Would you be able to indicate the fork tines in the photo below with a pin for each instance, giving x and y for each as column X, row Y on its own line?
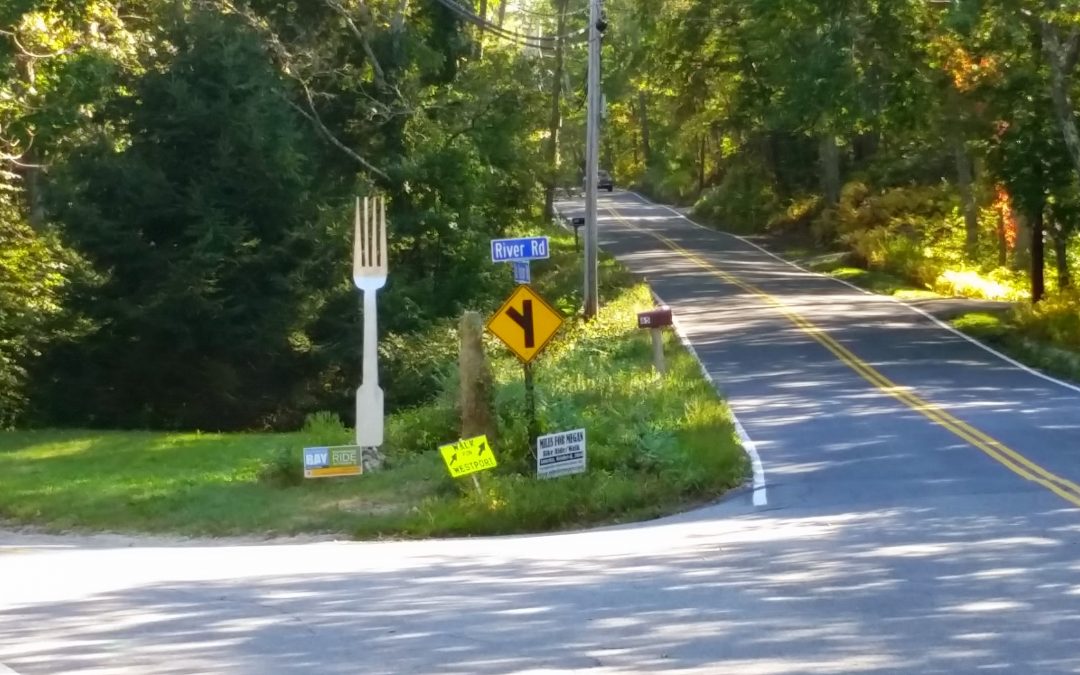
column 371, row 251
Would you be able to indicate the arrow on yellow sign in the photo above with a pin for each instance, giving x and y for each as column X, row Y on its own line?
column 525, row 322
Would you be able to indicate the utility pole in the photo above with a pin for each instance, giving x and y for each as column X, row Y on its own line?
column 592, row 151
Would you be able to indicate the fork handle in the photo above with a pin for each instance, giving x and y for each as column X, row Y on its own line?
column 371, row 336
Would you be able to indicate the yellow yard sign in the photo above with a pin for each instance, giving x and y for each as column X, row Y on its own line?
column 468, row 456
column 525, row 322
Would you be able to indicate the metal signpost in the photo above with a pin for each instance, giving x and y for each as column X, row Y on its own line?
column 526, row 323
column 655, row 320
column 560, row 454
column 332, row 461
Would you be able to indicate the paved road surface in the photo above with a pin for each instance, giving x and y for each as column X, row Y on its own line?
column 921, row 518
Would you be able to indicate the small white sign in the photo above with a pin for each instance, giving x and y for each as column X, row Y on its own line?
column 560, row 454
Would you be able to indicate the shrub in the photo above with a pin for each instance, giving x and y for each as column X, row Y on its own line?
column 912, row 232
column 744, row 201
column 283, row 468
column 1056, row 319
column 798, row 216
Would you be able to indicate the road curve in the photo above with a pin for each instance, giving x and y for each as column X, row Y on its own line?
column 896, row 538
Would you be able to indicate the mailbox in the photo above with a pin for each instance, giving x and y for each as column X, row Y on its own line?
column 578, row 222
column 655, row 318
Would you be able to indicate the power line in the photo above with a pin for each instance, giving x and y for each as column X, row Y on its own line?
column 543, row 42
column 477, row 20
column 578, row 12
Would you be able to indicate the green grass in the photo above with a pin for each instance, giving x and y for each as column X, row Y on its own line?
column 655, row 446
column 1010, row 334
column 876, row 281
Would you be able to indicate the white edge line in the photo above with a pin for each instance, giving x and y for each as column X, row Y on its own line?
column 760, row 492
column 4, row 670
column 1007, row 359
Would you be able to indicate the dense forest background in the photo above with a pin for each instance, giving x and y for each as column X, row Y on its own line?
column 176, row 195
column 934, row 138
column 177, row 176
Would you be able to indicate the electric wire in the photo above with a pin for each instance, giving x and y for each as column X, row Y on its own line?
column 543, row 42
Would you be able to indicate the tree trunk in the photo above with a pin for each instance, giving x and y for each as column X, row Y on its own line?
column 829, row 156
column 1038, row 282
column 1059, row 57
column 643, row 119
column 35, row 201
column 701, row 166
column 1003, row 244
column 31, row 169
column 476, row 401
column 502, row 12
column 1061, row 253
column 551, row 151
column 480, row 34
column 965, row 180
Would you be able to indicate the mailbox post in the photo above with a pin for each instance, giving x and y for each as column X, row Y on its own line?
column 577, row 222
column 656, row 320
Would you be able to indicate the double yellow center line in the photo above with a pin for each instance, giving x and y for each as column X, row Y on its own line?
column 1010, row 458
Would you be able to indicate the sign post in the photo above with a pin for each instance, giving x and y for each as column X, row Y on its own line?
column 526, row 323
column 656, row 320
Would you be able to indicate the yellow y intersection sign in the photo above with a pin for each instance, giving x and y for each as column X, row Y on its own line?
column 525, row 322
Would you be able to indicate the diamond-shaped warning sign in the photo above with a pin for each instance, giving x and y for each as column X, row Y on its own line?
column 525, row 322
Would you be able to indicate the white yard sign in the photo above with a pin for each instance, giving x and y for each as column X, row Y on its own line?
column 560, row 454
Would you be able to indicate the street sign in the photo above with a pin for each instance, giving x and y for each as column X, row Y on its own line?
column 525, row 322
column 522, row 273
column 560, row 454
column 330, row 461
column 468, row 456
column 527, row 248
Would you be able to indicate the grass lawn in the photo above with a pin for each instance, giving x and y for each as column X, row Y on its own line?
column 655, row 446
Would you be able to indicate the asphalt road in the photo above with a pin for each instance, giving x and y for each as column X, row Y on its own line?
column 921, row 517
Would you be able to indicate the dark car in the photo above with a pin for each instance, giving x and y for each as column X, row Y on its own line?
column 604, row 181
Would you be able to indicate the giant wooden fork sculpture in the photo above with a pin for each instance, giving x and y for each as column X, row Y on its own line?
column 369, row 274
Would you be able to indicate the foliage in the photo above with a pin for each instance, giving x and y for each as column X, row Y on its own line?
column 1055, row 320
column 35, row 273
column 202, row 159
column 745, row 200
column 1045, row 336
column 797, row 217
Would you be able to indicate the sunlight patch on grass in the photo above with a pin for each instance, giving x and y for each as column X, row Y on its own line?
column 971, row 284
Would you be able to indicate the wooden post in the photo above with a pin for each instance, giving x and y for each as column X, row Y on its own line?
column 530, row 408
column 658, row 350
column 476, row 394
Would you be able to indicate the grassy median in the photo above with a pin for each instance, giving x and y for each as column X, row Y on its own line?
column 655, row 446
